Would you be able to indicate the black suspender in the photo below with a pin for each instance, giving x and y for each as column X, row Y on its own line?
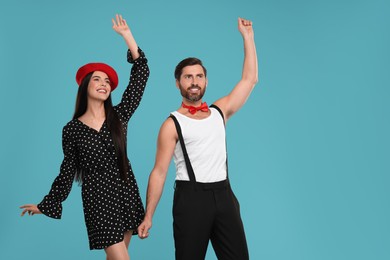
column 224, row 124
column 190, row 171
column 220, row 111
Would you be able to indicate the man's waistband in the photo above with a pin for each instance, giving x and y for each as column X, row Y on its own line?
column 201, row 185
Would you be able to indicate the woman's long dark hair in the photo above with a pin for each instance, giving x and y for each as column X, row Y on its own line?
column 113, row 124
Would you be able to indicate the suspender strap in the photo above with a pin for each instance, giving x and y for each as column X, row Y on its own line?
column 223, row 118
column 190, row 171
column 220, row 111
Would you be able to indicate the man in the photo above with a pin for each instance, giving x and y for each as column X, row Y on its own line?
column 204, row 206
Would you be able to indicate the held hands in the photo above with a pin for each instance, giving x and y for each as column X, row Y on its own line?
column 143, row 229
column 245, row 27
column 31, row 209
column 120, row 26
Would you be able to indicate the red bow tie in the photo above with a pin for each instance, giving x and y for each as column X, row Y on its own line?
column 192, row 109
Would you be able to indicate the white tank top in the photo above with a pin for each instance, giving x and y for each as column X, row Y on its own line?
column 206, row 147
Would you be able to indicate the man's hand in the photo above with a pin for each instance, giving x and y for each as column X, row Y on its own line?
column 245, row 27
column 143, row 229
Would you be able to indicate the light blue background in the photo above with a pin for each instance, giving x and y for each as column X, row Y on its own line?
column 309, row 152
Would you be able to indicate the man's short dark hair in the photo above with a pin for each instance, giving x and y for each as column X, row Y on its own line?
column 188, row 62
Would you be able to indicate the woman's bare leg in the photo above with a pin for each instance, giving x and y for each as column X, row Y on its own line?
column 127, row 237
column 117, row 251
column 126, row 241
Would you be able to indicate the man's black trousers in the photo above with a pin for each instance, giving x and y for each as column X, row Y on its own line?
column 203, row 212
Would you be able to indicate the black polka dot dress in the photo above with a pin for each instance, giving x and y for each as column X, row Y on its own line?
column 111, row 205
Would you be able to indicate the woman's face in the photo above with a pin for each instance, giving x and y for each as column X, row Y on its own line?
column 99, row 86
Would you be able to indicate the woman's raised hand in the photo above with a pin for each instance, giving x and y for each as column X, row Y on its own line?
column 119, row 25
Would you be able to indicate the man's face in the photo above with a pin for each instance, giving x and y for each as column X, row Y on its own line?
column 192, row 83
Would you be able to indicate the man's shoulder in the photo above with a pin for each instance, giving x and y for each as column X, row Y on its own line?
column 168, row 129
column 168, row 123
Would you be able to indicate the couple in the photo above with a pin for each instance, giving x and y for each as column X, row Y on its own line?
column 94, row 146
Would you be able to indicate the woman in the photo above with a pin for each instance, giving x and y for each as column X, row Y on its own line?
column 94, row 144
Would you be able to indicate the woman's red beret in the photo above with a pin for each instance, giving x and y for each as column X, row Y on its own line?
column 91, row 67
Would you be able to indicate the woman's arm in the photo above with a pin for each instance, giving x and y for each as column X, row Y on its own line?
column 51, row 205
column 132, row 96
column 120, row 26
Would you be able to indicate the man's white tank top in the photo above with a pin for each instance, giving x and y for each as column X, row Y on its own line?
column 206, row 148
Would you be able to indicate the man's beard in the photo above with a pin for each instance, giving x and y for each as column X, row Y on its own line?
column 186, row 93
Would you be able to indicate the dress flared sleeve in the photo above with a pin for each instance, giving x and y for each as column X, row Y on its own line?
column 132, row 96
column 51, row 205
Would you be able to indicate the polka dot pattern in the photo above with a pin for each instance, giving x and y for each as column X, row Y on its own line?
column 111, row 205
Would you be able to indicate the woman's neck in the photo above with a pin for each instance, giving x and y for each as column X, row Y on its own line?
column 95, row 110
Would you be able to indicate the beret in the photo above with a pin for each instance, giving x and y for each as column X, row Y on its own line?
column 97, row 66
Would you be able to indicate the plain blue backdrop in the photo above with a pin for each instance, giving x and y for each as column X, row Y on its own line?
column 309, row 152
